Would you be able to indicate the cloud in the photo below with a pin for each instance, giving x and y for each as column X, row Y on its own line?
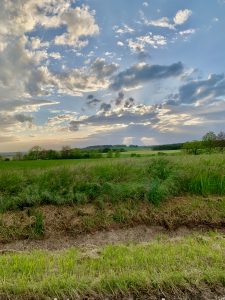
column 87, row 79
column 128, row 140
column 182, row 16
column 55, row 55
column 74, row 126
column 37, row 43
column 119, row 99
column 119, row 43
column 79, row 22
column 11, row 123
column 129, row 103
column 123, row 30
column 102, row 69
column 18, row 17
column 202, row 91
column 139, row 44
column 24, row 60
column 21, row 73
column 24, row 105
column 6, row 139
column 105, row 107
column 148, row 141
column 143, row 72
column 92, row 101
column 187, row 32
column 162, row 22
column 145, row 4
column 107, row 116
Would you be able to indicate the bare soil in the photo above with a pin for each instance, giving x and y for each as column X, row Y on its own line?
column 91, row 241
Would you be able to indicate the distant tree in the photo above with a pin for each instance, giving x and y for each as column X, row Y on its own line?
column 117, row 153
column 221, row 136
column 66, row 152
column 209, row 136
column 220, row 141
column 110, row 154
column 50, row 154
column 34, row 153
column 18, row 156
column 209, row 140
column 193, row 147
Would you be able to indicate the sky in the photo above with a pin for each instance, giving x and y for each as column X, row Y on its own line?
column 94, row 72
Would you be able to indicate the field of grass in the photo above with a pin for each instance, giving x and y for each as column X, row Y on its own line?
column 32, row 183
column 164, row 266
column 149, row 152
column 42, row 199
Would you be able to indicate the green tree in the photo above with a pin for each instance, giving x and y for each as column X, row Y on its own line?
column 221, row 136
column 34, row 153
column 193, row 147
column 117, row 153
column 66, row 152
column 110, row 154
column 209, row 136
column 209, row 140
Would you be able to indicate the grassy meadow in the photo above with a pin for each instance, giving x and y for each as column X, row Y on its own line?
column 75, row 197
column 155, row 179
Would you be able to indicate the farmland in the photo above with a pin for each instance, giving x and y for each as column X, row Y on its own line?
column 147, row 227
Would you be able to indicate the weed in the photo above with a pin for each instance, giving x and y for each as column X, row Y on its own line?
column 37, row 226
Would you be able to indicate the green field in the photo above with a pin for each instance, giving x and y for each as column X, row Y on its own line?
column 149, row 152
column 30, row 183
column 166, row 266
column 42, row 200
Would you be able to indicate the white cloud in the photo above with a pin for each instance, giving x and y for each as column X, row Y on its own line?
column 87, row 79
column 119, row 43
column 148, row 141
column 128, row 140
column 141, row 42
column 55, row 55
column 162, row 22
column 36, row 43
column 187, row 32
column 24, row 61
column 20, row 16
column 80, row 22
column 123, row 30
column 182, row 16
column 145, row 4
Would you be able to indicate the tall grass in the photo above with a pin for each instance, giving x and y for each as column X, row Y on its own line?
column 139, row 179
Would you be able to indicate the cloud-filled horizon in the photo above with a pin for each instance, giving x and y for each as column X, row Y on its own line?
column 81, row 72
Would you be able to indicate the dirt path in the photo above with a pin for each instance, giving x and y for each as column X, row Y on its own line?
column 138, row 234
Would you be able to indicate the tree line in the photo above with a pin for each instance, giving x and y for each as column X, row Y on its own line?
column 39, row 153
column 210, row 142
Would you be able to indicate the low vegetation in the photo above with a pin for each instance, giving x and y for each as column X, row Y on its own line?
column 41, row 199
column 163, row 267
column 139, row 179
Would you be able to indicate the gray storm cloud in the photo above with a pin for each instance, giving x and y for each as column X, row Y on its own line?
column 141, row 73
